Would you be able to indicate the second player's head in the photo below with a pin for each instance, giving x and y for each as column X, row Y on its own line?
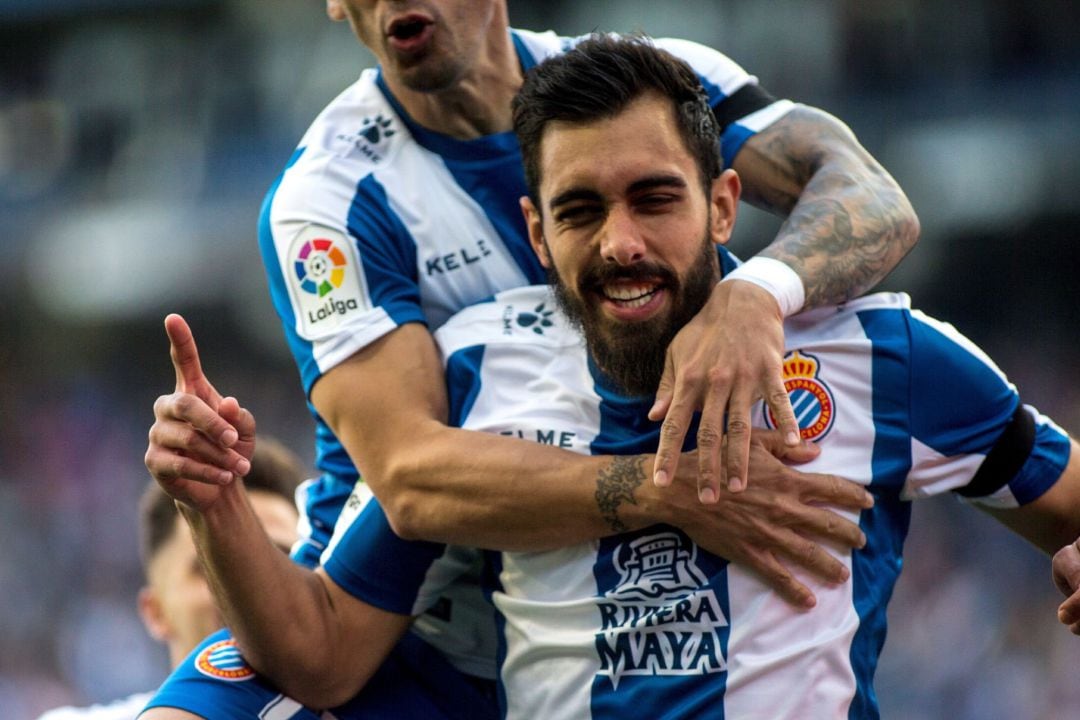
column 627, row 198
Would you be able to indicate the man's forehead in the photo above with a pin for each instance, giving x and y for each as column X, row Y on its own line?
column 611, row 154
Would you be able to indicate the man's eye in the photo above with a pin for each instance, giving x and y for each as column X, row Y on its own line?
column 577, row 214
column 655, row 201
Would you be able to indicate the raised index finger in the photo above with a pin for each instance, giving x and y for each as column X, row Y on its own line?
column 184, row 353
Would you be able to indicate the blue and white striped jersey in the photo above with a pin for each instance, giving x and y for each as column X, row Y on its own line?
column 646, row 620
column 376, row 221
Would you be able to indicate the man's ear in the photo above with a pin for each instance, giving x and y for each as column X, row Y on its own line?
column 335, row 10
column 724, row 198
column 535, row 226
column 153, row 615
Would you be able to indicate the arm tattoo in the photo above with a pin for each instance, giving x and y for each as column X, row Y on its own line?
column 848, row 222
column 615, row 485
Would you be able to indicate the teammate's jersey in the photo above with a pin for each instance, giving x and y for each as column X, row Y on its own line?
column 415, row 681
column 125, row 709
column 376, row 221
column 647, row 622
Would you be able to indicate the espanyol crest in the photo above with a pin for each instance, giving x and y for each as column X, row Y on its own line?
column 810, row 398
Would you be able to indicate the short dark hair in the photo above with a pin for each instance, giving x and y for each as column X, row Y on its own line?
column 597, row 79
column 275, row 469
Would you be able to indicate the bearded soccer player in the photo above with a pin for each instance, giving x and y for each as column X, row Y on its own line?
column 626, row 202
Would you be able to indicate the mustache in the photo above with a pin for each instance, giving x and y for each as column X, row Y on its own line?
column 599, row 275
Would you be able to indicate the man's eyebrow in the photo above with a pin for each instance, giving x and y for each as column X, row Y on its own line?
column 573, row 195
column 656, row 181
column 645, row 183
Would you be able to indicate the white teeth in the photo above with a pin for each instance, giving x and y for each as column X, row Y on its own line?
column 629, row 295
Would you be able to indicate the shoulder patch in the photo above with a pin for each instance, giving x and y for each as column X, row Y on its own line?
column 222, row 661
column 325, row 280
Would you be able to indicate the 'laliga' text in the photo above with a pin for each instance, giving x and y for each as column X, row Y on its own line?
column 331, row 308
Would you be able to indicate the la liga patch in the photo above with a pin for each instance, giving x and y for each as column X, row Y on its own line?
column 325, row 281
column 222, row 660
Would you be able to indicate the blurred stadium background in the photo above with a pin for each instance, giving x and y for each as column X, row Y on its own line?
column 137, row 138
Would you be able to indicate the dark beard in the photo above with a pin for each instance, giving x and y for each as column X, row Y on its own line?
column 632, row 354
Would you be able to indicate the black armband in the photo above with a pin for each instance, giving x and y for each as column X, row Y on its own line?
column 747, row 99
column 1005, row 459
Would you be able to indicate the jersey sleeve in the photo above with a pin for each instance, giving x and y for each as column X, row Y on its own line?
column 970, row 433
column 742, row 107
column 370, row 562
column 340, row 266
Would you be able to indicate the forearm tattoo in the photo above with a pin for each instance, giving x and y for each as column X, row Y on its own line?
column 615, row 485
column 848, row 222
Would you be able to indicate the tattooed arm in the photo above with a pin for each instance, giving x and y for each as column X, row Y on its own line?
column 848, row 224
column 772, row 520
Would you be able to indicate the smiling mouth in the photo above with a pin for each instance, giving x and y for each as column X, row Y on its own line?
column 633, row 295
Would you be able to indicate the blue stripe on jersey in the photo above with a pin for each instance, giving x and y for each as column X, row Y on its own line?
column 959, row 404
column 1044, row 466
column 647, row 648
column 489, row 170
column 876, row 567
column 392, row 568
column 463, row 382
column 626, row 430
column 733, row 137
column 731, row 142
column 525, row 58
column 728, row 262
column 389, row 267
column 497, row 187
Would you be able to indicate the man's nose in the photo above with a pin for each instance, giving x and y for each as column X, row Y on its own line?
column 620, row 238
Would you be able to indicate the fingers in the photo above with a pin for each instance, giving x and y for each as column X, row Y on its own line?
column 827, row 526
column 672, row 437
column 738, row 438
column 710, row 445
column 167, row 466
column 664, row 391
column 178, row 451
column 188, row 408
column 778, row 400
column 774, row 444
column 184, row 353
column 814, row 558
column 835, row 491
column 239, row 418
column 780, row 579
column 182, row 438
column 1066, row 572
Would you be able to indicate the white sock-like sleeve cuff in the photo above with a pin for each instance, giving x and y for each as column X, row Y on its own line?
column 777, row 278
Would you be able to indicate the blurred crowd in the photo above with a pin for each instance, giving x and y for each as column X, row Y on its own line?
column 136, row 141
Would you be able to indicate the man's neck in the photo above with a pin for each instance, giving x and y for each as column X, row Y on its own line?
column 479, row 104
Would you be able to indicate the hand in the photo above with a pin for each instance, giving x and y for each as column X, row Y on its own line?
column 778, row 517
column 199, row 440
column 723, row 360
column 1066, row 567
